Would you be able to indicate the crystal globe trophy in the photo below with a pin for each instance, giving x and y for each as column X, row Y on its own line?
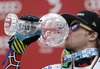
column 54, row 29
column 12, row 25
column 53, row 26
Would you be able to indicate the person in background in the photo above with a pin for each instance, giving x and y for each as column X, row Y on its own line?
column 82, row 46
column 18, row 44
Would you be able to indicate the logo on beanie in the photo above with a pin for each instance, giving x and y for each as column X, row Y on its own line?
column 80, row 14
column 94, row 24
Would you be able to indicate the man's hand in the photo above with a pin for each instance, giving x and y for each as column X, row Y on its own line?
column 19, row 42
column 64, row 53
column 35, row 36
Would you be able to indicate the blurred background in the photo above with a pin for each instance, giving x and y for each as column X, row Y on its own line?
column 37, row 55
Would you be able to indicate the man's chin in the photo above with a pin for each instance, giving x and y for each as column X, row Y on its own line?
column 67, row 47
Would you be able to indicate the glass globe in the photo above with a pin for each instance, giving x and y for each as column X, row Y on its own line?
column 54, row 29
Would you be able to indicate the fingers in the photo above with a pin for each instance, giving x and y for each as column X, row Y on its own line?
column 29, row 18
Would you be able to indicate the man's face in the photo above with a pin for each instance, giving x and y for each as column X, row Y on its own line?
column 78, row 36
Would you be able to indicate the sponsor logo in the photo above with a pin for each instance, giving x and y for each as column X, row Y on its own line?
column 57, row 6
column 80, row 14
column 92, row 5
column 9, row 7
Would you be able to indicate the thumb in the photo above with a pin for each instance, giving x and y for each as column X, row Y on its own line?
column 62, row 57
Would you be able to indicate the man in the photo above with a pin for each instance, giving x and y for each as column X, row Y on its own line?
column 82, row 46
column 18, row 44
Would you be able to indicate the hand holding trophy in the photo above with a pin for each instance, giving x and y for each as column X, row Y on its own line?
column 54, row 28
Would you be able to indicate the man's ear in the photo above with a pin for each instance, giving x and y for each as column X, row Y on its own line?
column 93, row 36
